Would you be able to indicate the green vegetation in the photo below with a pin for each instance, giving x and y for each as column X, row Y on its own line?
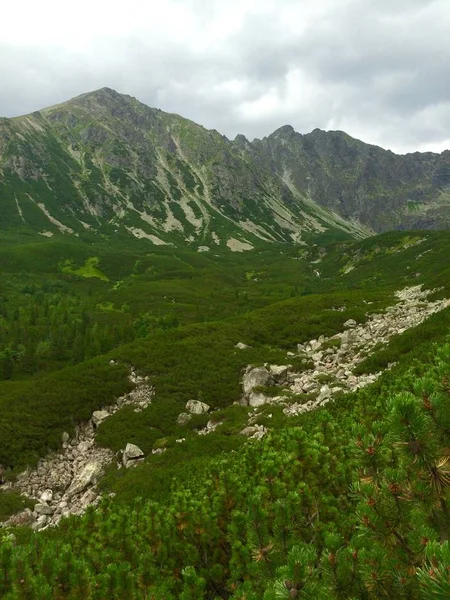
column 346, row 502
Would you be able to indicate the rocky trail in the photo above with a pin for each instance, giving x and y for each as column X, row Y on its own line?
column 64, row 482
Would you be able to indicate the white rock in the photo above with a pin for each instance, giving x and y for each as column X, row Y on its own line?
column 257, row 399
column 255, row 376
column 196, row 407
column 279, row 372
column 350, row 324
column 88, row 475
column 241, row 346
column 98, row 416
column 131, row 454
column 46, row 496
column 43, row 509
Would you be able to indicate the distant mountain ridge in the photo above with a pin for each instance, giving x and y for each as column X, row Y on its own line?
column 105, row 162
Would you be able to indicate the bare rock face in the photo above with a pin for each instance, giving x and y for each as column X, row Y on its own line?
column 195, row 407
column 131, row 455
column 89, row 475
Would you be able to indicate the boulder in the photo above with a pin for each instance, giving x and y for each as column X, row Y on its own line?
column 65, row 437
column 88, row 475
column 255, row 376
column 254, row 432
column 44, row 509
column 241, row 346
column 46, row 496
column 279, row 372
column 183, row 419
column 196, row 407
column 350, row 324
column 40, row 523
column 98, row 416
column 131, row 454
column 257, row 399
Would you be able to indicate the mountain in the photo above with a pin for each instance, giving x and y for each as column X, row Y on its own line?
column 362, row 183
column 106, row 162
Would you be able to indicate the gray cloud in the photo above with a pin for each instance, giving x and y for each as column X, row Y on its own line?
column 375, row 69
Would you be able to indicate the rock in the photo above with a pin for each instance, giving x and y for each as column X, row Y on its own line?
column 196, row 407
column 309, row 387
column 83, row 447
column 350, row 324
column 255, row 376
column 241, row 346
column 88, row 475
column 65, row 437
column 279, row 372
column 46, row 496
column 254, row 431
column 131, row 454
column 257, row 399
column 40, row 523
column 43, row 509
column 98, row 416
column 183, row 419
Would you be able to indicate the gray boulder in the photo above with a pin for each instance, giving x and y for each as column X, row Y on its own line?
column 131, row 455
column 255, row 376
column 195, row 407
column 98, row 416
column 279, row 372
column 350, row 324
column 88, row 475
column 43, row 509
column 183, row 419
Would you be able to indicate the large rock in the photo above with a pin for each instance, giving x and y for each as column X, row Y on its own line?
column 350, row 324
column 279, row 372
column 241, row 346
column 257, row 399
column 254, row 432
column 196, row 407
column 87, row 476
column 183, row 419
column 98, row 416
column 131, row 454
column 43, row 509
column 255, row 376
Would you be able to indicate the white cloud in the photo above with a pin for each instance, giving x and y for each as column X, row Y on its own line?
column 375, row 69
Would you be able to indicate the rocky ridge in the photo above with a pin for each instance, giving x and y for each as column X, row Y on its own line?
column 64, row 483
column 335, row 358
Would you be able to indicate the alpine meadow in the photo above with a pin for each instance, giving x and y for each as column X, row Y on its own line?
column 224, row 364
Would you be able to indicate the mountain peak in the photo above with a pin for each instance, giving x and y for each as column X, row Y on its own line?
column 284, row 130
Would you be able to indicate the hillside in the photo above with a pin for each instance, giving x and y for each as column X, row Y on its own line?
column 275, row 427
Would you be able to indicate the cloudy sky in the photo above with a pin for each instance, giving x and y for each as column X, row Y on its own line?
column 378, row 69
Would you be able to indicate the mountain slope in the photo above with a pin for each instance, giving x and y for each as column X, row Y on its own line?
column 104, row 160
column 361, row 182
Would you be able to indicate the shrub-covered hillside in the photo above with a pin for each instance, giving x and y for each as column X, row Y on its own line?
column 347, row 501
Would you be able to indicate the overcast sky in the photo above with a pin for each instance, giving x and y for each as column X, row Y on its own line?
column 377, row 69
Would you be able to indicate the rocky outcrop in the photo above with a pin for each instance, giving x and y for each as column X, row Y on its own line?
column 64, row 482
